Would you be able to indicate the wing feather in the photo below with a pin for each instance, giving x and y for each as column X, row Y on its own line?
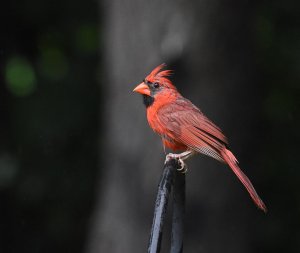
column 186, row 124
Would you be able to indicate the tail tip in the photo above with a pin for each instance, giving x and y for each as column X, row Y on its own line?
column 262, row 207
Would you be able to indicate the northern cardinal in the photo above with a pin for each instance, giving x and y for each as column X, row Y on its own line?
column 182, row 126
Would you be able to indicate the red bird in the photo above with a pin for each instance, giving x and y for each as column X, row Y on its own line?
column 182, row 126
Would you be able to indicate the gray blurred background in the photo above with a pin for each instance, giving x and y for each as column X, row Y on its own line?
column 79, row 166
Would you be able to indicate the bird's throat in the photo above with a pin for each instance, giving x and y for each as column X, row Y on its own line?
column 148, row 101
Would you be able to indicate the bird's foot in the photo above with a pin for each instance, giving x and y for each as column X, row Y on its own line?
column 183, row 156
column 183, row 167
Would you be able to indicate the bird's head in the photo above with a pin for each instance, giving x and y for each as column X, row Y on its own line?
column 155, row 84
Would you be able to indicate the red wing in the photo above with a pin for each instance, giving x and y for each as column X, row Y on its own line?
column 186, row 124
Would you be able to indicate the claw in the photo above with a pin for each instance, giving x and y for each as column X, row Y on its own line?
column 183, row 167
column 170, row 156
column 167, row 159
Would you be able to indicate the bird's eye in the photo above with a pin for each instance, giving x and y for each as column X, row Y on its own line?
column 156, row 85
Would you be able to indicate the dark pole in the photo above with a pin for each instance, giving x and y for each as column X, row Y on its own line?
column 178, row 213
column 161, row 203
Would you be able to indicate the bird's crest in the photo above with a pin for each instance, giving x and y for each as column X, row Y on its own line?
column 159, row 76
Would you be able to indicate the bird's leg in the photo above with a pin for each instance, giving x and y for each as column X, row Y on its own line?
column 180, row 157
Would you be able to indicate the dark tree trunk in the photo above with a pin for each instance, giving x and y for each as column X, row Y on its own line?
column 208, row 45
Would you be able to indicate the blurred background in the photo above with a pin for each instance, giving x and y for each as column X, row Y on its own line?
column 79, row 166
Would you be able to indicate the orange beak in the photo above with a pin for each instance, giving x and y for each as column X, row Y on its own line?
column 142, row 88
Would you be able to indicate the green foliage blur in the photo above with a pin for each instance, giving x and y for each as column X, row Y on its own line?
column 49, row 106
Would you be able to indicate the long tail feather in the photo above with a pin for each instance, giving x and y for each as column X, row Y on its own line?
column 232, row 162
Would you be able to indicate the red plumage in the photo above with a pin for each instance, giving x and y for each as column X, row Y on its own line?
column 182, row 126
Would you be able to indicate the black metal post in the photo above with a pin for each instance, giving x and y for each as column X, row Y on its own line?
column 161, row 203
column 164, row 189
column 178, row 213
